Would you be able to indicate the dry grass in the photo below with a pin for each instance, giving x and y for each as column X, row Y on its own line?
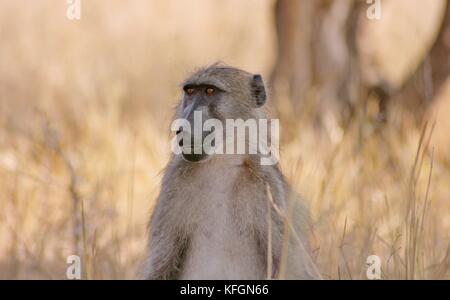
column 84, row 110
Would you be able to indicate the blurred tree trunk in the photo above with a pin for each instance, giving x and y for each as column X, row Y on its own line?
column 421, row 89
column 293, row 72
column 440, row 55
column 319, row 68
column 314, row 59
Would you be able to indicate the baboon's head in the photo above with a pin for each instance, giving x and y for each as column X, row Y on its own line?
column 216, row 93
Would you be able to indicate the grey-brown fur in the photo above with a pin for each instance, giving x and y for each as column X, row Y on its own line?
column 211, row 217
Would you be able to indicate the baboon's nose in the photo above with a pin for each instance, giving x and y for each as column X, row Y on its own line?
column 180, row 142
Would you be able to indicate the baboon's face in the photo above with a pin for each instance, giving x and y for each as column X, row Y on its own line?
column 220, row 97
column 199, row 100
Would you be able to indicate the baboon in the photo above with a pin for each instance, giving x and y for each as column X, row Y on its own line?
column 211, row 220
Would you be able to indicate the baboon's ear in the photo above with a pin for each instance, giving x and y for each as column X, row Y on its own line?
column 258, row 90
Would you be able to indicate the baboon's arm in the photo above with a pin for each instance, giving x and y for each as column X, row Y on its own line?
column 289, row 258
column 271, row 243
column 167, row 247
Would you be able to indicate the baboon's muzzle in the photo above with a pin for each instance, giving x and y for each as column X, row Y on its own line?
column 193, row 151
column 191, row 142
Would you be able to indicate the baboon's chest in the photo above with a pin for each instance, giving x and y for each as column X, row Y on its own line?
column 223, row 245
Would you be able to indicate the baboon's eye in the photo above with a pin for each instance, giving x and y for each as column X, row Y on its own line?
column 210, row 91
column 189, row 91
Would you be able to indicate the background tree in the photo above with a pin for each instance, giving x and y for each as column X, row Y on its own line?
column 332, row 58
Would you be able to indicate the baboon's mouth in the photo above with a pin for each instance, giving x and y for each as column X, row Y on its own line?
column 195, row 157
column 194, row 153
